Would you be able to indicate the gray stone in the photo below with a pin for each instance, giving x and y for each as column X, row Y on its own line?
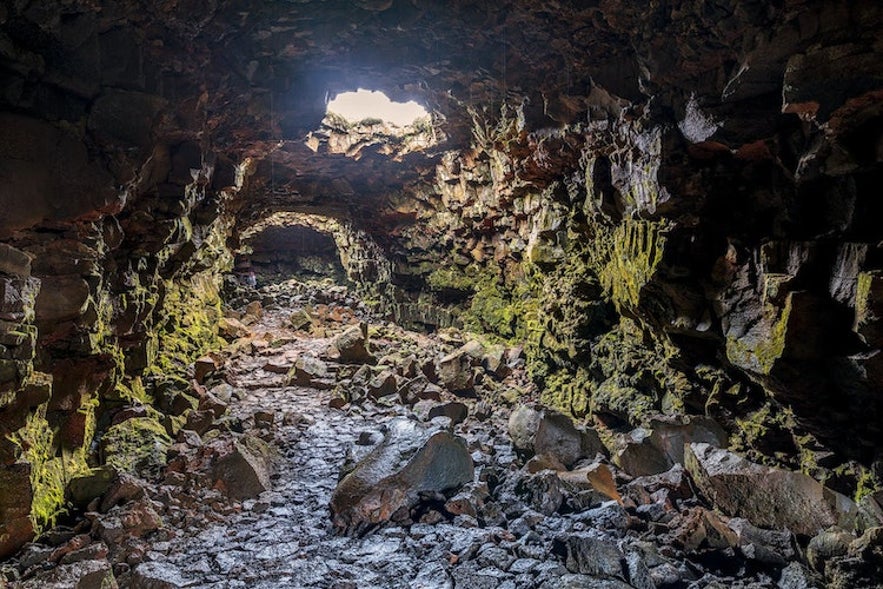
column 455, row 372
column 412, row 459
column 87, row 574
column 307, row 371
column 245, row 470
column 589, row 555
column 768, row 497
column 351, row 346
column 656, row 449
column 548, row 433
column 775, row 547
column 455, row 411
column 158, row 575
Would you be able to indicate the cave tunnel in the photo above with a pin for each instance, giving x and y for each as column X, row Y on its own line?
column 586, row 297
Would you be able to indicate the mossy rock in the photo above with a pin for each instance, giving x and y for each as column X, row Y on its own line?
column 136, row 446
column 615, row 397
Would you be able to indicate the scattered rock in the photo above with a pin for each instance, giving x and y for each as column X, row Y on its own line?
column 589, row 555
column 154, row 575
column 203, row 367
column 455, row 372
column 351, row 346
column 300, row 319
column 307, row 371
column 244, row 471
column 455, row 411
column 233, row 328
column 546, row 432
column 652, row 451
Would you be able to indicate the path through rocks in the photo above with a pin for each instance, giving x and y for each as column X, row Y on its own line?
column 284, row 538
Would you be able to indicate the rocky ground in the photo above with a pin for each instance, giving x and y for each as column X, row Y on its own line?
column 440, row 472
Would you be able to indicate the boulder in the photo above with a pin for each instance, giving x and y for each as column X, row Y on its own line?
column 590, row 555
column 383, row 384
column 775, row 547
column 455, row 411
column 494, row 362
column 351, row 346
column 300, row 319
column 767, row 497
column 243, row 471
column 455, row 372
column 654, row 450
column 158, row 575
column 412, row 459
column 232, row 328
column 307, row 371
column 85, row 574
column 202, row 367
column 546, row 432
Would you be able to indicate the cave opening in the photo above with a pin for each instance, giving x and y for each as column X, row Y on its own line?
column 367, row 106
column 291, row 246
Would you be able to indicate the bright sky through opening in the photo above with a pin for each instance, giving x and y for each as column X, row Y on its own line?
column 365, row 104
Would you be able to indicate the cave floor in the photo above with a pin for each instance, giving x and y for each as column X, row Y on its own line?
column 285, row 538
column 516, row 526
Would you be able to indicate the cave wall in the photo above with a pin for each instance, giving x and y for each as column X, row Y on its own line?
column 672, row 206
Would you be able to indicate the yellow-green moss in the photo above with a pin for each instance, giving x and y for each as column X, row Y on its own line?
column 760, row 354
column 137, row 445
column 191, row 311
column 51, row 467
column 626, row 257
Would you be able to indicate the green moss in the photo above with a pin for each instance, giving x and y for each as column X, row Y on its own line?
column 51, row 467
column 867, row 484
column 625, row 258
column 137, row 445
column 760, row 353
column 191, row 311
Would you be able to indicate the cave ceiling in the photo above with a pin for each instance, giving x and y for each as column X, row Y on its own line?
column 251, row 79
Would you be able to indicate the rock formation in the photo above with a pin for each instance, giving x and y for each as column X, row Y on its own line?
column 666, row 213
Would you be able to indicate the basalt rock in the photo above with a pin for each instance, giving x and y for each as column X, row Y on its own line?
column 547, row 433
column 412, row 459
column 767, row 497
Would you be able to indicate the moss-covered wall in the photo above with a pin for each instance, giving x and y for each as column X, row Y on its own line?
column 105, row 310
column 566, row 241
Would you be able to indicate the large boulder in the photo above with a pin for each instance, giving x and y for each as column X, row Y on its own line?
column 307, row 371
column 654, row 450
column 351, row 346
column 767, row 497
column 243, row 467
column 455, row 371
column 547, row 433
column 412, row 459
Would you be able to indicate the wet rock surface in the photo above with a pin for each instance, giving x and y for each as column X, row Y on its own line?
column 260, row 496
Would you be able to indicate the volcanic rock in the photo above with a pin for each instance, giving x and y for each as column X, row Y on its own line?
column 412, row 459
column 765, row 496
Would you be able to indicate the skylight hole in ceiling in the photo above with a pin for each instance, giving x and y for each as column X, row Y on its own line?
column 363, row 105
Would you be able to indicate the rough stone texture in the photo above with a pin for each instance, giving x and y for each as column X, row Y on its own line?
column 768, row 497
column 672, row 208
column 244, row 470
column 550, row 434
column 411, row 459
column 351, row 346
